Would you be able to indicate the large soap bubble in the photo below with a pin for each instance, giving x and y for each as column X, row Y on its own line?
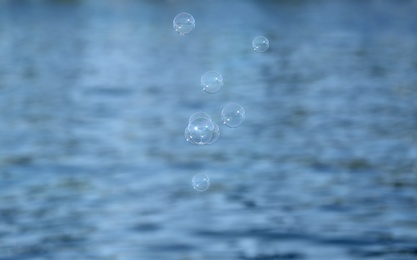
column 184, row 23
column 233, row 115
column 216, row 134
column 212, row 82
column 197, row 115
column 201, row 129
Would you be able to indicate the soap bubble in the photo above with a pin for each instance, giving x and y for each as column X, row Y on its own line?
column 233, row 115
column 260, row 44
column 188, row 136
column 201, row 182
column 201, row 124
column 199, row 115
column 216, row 134
column 201, row 129
column 212, row 82
column 184, row 23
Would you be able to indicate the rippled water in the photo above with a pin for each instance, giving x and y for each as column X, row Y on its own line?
column 95, row 96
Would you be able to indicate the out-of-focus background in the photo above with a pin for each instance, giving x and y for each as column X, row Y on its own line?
column 95, row 96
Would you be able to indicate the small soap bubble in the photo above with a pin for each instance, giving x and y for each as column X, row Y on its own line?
column 260, row 44
column 201, row 182
column 184, row 23
column 233, row 115
column 212, row 82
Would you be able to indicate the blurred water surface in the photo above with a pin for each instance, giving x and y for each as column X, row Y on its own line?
column 95, row 96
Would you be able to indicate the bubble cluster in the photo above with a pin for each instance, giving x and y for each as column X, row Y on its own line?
column 211, row 82
column 233, row 115
column 184, row 23
column 201, row 182
column 260, row 44
column 201, row 129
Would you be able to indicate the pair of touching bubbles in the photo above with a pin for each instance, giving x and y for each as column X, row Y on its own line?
column 201, row 129
column 184, row 23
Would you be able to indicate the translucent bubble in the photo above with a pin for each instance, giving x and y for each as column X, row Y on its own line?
column 212, row 82
column 201, row 182
column 200, row 131
column 260, row 44
column 199, row 115
column 201, row 124
column 233, row 115
column 188, row 136
column 216, row 134
column 184, row 23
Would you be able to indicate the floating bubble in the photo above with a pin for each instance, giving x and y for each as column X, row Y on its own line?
column 212, row 82
column 233, row 115
column 216, row 134
column 184, row 23
column 201, row 182
column 200, row 131
column 199, row 115
column 260, row 44
column 188, row 136
column 201, row 124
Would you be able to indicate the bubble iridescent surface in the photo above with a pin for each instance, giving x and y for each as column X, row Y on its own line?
column 183, row 23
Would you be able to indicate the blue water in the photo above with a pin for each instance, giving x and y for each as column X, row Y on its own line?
column 95, row 96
